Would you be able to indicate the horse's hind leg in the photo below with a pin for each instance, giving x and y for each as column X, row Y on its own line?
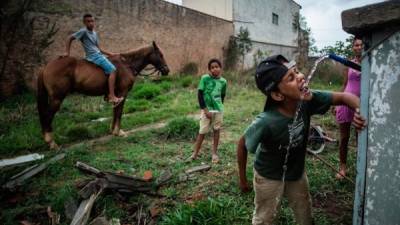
column 55, row 104
column 116, row 123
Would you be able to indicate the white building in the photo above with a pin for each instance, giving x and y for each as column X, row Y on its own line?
column 271, row 23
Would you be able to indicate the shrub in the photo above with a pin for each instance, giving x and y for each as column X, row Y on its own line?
column 165, row 85
column 190, row 68
column 147, row 91
column 186, row 81
column 182, row 128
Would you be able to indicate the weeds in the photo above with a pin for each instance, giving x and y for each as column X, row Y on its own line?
column 182, row 128
column 137, row 105
column 187, row 81
column 208, row 212
column 147, row 91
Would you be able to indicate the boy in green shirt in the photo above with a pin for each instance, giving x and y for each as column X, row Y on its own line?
column 278, row 136
column 211, row 95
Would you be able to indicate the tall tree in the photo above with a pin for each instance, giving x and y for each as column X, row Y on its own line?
column 340, row 48
column 244, row 43
column 302, row 23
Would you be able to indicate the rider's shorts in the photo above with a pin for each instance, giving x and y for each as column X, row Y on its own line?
column 100, row 60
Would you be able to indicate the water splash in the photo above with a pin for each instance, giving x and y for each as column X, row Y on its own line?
column 304, row 91
column 314, row 68
column 298, row 108
column 291, row 135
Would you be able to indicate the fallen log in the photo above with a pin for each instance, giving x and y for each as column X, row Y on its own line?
column 164, row 177
column 20, row 160
column 88, row 169
column 112, row 181
column 20, row 178
column 198, row 169
column 93, row 187
column 82, row 215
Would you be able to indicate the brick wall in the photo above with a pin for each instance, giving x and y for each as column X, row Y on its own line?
column 183, row 34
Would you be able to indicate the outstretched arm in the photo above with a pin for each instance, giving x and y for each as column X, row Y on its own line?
column 343, row 98
column 242, row 162
column 110, row 54
column 68, row 45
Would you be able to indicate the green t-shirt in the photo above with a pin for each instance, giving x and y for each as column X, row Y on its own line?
column 268, row 138
column 213, row 89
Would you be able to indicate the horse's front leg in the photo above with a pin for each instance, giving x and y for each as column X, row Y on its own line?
column 116, row 124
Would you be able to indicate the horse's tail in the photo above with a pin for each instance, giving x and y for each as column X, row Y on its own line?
column 42, row 100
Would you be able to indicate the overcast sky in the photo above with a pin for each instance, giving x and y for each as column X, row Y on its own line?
column 324, row 18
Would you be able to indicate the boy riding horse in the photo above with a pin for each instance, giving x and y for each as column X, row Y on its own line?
column 90, row 43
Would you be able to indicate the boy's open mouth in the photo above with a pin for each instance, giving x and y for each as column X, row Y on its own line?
column 304, row 89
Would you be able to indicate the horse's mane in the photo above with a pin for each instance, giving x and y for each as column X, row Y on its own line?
column 139, row 52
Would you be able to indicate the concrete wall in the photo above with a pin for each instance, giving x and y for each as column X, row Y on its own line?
column 256, row 16
column 268, row 50
column 218, row 8
column 382, row 181
column 183, row 34
column 377, row 193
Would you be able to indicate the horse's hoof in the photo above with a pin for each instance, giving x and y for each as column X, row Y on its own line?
column 120, row 133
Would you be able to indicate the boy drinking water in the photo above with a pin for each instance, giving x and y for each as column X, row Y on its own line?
column 93, row 51
column 278, row 136
column 211, row 95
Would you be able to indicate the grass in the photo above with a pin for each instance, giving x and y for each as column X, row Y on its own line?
column 182, row 128
column 212, row 197
column 210, row 211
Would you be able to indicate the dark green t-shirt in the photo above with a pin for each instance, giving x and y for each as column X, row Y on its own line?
column 268, row 138
column 213, row 89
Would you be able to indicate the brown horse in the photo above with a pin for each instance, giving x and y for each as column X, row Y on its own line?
column 68, row 74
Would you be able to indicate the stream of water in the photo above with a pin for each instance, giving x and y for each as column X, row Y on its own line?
column 295, row 118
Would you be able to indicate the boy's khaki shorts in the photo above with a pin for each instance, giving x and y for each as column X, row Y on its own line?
column 215, row 122
column 268, row 194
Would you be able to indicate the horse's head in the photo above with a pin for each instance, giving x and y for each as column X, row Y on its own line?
column 156, row 58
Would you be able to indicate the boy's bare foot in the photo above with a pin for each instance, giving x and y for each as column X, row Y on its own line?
column 341, row 174
column 214, row 158
column 115, row 100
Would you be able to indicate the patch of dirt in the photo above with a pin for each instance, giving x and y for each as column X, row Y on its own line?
column 198, row 196
column 227, row 136
column 334, row 206
column 106, row 138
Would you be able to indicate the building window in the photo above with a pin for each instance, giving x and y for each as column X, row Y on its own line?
column 294, row 27
column 275, row 18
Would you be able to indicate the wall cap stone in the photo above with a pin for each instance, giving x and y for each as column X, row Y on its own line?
column 362, row 20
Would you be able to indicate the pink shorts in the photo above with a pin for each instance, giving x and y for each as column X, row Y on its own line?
column 344, row 114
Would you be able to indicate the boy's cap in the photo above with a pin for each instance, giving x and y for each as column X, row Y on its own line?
column 270, row 72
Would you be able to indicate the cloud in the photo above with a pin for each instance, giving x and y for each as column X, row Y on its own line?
column 324, row 18
column 179, row 2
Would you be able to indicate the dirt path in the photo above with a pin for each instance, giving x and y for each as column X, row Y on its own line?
column 108, row 137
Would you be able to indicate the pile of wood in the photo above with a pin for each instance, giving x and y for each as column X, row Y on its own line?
column 20, row 178
column 119, row 184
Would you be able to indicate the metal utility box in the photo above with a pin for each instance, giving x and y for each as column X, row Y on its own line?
column 377, row 194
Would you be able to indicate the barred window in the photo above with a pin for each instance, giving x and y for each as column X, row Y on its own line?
column 275, row 19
